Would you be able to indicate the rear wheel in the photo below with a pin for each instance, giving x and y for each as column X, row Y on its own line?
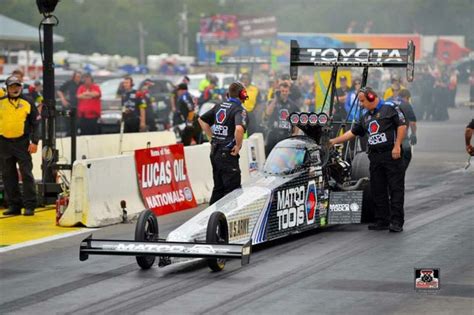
column 146, row 230
column 359, row 169
column 217, row 232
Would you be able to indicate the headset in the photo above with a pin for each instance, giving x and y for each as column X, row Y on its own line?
column 369, row 93
column 242, row 91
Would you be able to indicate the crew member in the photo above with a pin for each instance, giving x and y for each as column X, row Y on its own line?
column 468, row 136
column 392, row 91
column 150, row 100
column 36, row 92
column 186, row 114
column 386, row 127
column 19, row 137
column 133, row 108
column 26, row 89
column 277, row 112
column 339, row 110
column 229, row 122
column 89, row 106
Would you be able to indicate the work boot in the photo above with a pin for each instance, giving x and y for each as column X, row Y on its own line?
column 379, row 226
column 29, row 212
column 12, row 211
column 395, row 228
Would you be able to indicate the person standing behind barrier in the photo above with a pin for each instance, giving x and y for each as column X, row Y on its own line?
column 174, row 98
column 226, row 123
column 149, row 99
column 251, row 104
column 277, row 113
column 19, row 137
column 209, row 92
column 452, row 86
column 68, row 94
column 295, row 92
column 352, row 105
column 394, row 88
column 26, row 89
column 339, row 112
column 386, row 126
column 407, row 109
column 36, row 92
column 468, row 136
column 89, row 106
column 133, row 108
column 185, row 114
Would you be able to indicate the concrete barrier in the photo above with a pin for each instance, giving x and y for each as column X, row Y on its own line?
column 100, row 146
column 98, row 185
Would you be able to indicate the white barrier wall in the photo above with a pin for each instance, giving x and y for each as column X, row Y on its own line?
column 98, row 185
column 100, row 146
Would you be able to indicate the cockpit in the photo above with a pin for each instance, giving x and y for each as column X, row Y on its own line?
column 291, row 155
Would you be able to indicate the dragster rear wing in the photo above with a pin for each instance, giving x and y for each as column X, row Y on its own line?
column 352, row 57
column 91, row 246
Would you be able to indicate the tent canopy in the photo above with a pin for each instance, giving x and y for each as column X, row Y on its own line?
column 14, row 33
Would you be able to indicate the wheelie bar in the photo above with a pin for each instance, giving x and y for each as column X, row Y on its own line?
column 91, row 246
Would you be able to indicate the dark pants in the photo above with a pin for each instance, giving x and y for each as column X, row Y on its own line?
column 131, row 124
column 387, row 182
column 88, row 126
column 13, row 153
column 225, row 172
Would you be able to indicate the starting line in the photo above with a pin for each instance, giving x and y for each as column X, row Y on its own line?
column 20, row 231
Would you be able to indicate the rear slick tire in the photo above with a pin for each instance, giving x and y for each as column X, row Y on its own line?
column 217, row 233
column 146, row 230
column 361, row 168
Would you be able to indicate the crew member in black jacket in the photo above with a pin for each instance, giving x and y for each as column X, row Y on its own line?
column 226, row 123
column 386, row 127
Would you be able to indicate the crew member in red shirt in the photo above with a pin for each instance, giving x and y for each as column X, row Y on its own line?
column 88, row 106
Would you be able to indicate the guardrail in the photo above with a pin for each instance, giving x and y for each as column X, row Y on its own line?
column 99, row 185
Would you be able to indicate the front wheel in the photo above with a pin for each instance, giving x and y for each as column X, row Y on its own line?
column 146, row 230
column 217, row 232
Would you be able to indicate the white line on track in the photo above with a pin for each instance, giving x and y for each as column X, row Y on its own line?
column 44, row 240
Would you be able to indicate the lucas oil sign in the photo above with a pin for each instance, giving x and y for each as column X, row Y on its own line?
column 163, row 180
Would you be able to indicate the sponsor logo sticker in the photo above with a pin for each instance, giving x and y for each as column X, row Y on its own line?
column 220, row 115
column 188, row 194
column 427, row 279
column 311, row 202
column 373, row 127
column 239, row 227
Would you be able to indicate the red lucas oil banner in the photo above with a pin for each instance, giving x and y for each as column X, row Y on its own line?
column 163, row 180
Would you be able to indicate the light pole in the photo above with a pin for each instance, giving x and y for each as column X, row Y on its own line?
column 48, row 187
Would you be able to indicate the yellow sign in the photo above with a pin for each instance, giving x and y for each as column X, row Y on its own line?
column 321, row 82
